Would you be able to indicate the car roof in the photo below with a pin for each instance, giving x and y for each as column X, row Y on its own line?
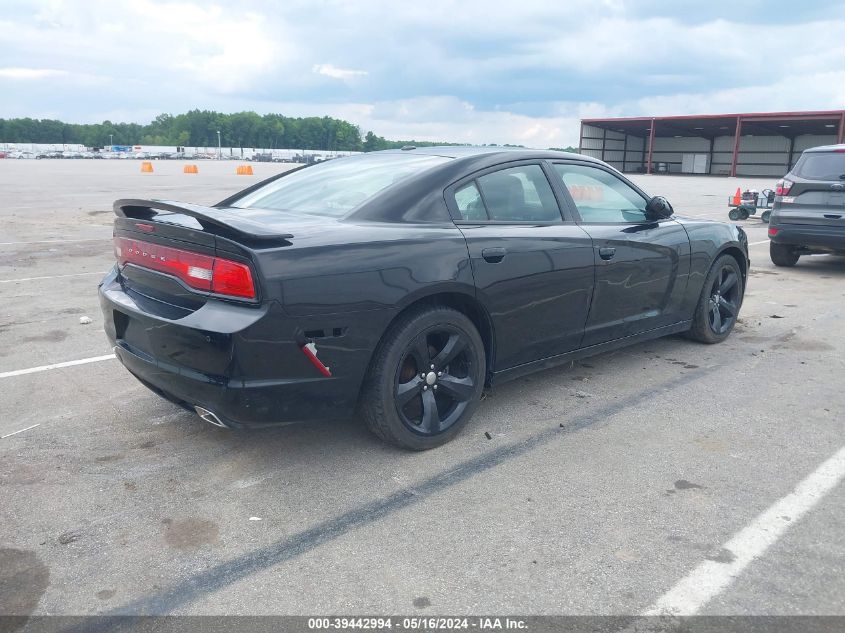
column 468, row 151
column 827, row 148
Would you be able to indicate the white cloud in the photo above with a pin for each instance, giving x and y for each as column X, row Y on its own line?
column 181, row 45
column 337, row 73
column 471, row 71
column 809, row 91
column 30, row 73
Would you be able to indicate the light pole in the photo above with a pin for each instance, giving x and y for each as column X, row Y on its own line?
column 218, row 145
column 111, row 142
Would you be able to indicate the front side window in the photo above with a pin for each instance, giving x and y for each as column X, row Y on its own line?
column 336, row 187
column 519, row 194
column 601, row 197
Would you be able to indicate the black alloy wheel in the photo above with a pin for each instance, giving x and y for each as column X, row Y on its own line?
column 720, row 301
column 434, row 382
column 724, row 300
column 425, row 378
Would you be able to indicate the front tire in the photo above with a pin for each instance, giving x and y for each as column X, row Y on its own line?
column 720, row 301
column 425, row 379
column 783, row 255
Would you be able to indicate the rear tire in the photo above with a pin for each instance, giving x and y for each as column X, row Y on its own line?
column 405, row 401
column 719, row 303
column 734, row 214
column 765, row 216
column 783, row 255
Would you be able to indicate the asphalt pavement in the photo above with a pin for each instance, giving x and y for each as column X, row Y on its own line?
column 602, row 486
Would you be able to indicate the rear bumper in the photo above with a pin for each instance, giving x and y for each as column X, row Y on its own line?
column 821, row 237
column 243, row 364
column 237, row 403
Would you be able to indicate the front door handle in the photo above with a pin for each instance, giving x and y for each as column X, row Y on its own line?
column 833, row 216
column 607, row 252
column 494, row 255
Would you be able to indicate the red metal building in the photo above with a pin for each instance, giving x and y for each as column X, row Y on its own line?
column 750, row 144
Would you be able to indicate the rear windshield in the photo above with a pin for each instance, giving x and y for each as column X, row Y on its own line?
column 821, row 166
column 336, row 187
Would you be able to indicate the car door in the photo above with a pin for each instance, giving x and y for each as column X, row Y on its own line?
column 642, row 265
column 533, row 267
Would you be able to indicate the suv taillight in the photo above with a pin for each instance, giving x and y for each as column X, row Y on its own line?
column 783, row 187
column 202, row 272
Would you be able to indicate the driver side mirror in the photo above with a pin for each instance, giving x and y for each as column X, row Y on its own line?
column 658, row 208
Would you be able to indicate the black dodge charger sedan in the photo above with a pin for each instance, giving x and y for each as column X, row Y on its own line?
column 401, row 283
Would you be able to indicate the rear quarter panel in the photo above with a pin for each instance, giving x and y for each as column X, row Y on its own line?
column 342, row 288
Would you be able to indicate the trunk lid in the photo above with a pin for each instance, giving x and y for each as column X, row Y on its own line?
column 164, row 230
column 817, row 195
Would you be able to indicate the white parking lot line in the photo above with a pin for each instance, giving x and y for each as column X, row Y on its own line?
column 710, row 578
column 760, row 242
column 70, row 363
column 3, row 437
column 82, row 239
column 8, row 281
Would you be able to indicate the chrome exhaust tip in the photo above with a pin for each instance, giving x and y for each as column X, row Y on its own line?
column 210, row 417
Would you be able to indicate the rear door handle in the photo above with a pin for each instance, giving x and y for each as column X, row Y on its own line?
column 494, row 255
column 607, row 252
column 831, row 216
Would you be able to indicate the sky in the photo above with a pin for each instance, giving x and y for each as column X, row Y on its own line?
column 478, row 72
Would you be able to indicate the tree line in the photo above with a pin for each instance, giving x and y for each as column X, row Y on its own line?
column 198, row 128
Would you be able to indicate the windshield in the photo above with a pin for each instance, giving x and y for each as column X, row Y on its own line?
column 821, row 166
column 336, row 187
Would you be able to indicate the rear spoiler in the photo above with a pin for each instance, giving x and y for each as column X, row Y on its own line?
column 209, row 218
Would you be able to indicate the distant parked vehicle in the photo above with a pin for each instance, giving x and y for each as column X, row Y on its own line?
column 809, row 210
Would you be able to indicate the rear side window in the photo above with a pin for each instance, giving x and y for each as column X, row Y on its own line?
column 336, row 187
column 821, row 166
column 469, row 203
column 516, row 194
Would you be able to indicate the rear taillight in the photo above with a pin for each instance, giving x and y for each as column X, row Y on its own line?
column 202, row 272
column 783, row 187
column 773, row 231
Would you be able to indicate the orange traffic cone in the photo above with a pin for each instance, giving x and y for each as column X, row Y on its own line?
column 737, row 197
column 146, row 167
column 191, row 169
column 244, row 170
